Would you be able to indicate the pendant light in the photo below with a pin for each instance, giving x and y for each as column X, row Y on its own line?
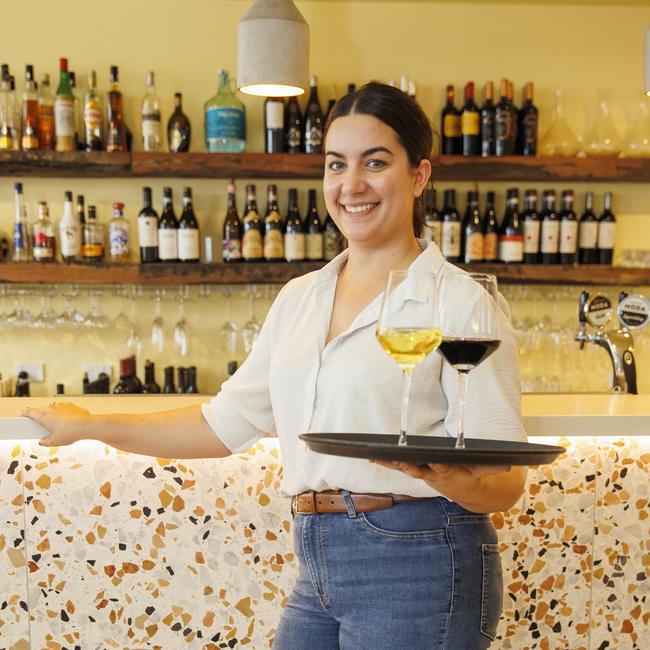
column 273, row 50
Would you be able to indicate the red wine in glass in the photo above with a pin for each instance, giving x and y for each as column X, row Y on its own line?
column 464, row 354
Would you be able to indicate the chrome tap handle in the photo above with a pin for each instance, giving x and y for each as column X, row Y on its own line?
column 582, row 319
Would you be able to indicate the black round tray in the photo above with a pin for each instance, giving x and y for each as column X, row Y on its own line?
column 428, row 449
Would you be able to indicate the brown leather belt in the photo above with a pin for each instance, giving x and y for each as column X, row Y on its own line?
column 312, row 503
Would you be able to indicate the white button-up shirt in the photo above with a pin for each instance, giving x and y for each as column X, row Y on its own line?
column 293, row 383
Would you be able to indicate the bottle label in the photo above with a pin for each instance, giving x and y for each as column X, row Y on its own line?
column 470, row 123
column 511, row 248
column 167, row 244
column 93, row 251
column 451, row 126
column 588, row 234
column 118, row 240
column 450, row 239
column 275, row 115
column 43, row 246
column 92, row 120
column 175, row 139
column 6, row 141
column 231, row 250
column 293, row 137
column 606, row 234
column 314, row 137
column 225, row 123
column 530, row 130
column 568, row 236
column 474, row 247
column 331, row 245
column 252, row 244
column 273, row 244
column 487, row 134
column 314, row 246
column 503, row 126
column 46, row 124
column 151, row 132
column 490, row 246
column 70, row 240
column 188, row 244
column 64, row 117
column 531, row 236
column 148, row 232
column 550, row 235
column 294, row 246
column 20, row 240
column 436, row 232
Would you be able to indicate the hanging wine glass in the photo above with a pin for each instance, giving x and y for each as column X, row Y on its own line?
column 559, row 139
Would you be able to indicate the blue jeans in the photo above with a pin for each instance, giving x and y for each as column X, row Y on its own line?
column 422, row 575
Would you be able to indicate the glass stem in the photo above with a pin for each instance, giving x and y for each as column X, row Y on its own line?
column 460, row 439
column 406, row 390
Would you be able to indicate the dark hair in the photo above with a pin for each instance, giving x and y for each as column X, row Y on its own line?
column 403, row 114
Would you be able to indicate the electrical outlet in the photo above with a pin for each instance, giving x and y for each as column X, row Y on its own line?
column 94, row 370
column 35, row 371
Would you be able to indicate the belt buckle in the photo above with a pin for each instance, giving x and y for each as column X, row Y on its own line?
column 311, row 503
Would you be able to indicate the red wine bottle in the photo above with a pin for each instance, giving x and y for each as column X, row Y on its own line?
column 511, row 236
column 451, row 228
column 549, row 241
column 470, row 123
column 452, row 142
column 472, row 232
column 588, row 233
column 568, row 230
column 531, row 223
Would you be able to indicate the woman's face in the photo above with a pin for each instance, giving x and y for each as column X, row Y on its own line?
column 369, row 184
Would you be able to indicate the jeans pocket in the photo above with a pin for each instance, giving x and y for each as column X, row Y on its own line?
column 492, row 590
column 411, row 520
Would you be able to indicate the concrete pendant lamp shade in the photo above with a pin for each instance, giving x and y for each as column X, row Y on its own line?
column 273, row 50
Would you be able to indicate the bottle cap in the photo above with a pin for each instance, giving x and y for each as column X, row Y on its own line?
column 232, row 368
column 118, row 207
column 150, row 78
column 92, row 213
column 63, row 64
column 18, row 187
column 114, row 74
column 127, row 366
column 167, row 192
column 80, row 199
column 187, row 192
column 68, row 197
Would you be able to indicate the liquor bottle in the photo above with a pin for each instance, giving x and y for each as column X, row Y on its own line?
column 549, row 238
column 168, row 386
column 116, row 139
column 128, row 382
column 588, row 233
column 530, row 219
column 451, row 227
column 313, row 230
column 514, row 119
column 30, row 111
column 92, row 247
column 7, row 134
column 188, row 231
column 313, row 137
column 273, row 235
column 606, row 232
column 294, row 237
column 470, row 123
column 179, row 130
column 150, row 386
column 253, row 229
column 150, row 112
column 293, row 126
column 168, row 229
column 225, row 120
column 488, row 122
column 69, row 232
column 93, row 121
column 432, row 218
column 568, row 230
column 511, row 236
column 490, row 230
column 81, row 215
column 119, row 236
column 45, row 115
column 503, row 122
column 44, row 238
column 332, row 240
column 472, row 233
column 78, row 118
column 18, row 113
column 452, row 142
column 148, row 229
column 274, row 124
column 190, row 386
column 232, row 231
column 64, row 119
column 528, row 119
column 182, row 379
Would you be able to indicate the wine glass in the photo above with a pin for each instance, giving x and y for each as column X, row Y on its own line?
column 158, row 325
column 181, row 337
column 469, row 321
column 408, row 327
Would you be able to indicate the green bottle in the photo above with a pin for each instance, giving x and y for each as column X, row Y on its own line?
column 225, row 120
column 65, row 125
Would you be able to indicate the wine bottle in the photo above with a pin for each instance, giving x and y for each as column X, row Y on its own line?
column 168, row 229
column 488, row 122
column 490, row 230
column 606, row 232
column 168, row 386
column 528, row 119
column 182, row 379
column 568, row 229
column 150, row 113
column 188, row 231
column 150, row 385
column 588, row 233
column 452, row 141
column 7, row 131
column 332, row 241
column 472, row 233
column 530, row 220
column 273, row 235
column 294, row 237
column 274, row 124
column 253, row 229
column 313, row 120
column 179, row 130
column 30, row 130
column 45, row 115
column 44, row 238
column 331, row 102
column 78, row 118
column 514, row 120
column 231, row 243
column 69, row 232
column 92, row 116
column 470, row 124
column 313, row 230
column 64, row 118
column 550, row 230
column 115, row 127
column 451, row 228
column 60, row 389
column 432, row 217
column 128, row 382
column 503, row 122
column 293, row 125
column 148, row 229
column 191, row 386
column 511, row 236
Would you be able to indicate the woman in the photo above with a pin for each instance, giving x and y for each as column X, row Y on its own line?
column 394, row 556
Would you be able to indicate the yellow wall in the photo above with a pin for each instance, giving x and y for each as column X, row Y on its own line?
column 579, row 49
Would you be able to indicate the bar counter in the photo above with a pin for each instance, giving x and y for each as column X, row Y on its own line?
column 102, row 549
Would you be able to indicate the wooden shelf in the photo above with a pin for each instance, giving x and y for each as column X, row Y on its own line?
column 308, row 166
column 279, row 273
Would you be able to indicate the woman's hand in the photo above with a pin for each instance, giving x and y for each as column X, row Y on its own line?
column 66, row 422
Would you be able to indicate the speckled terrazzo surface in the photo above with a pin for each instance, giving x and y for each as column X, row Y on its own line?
column 124, row 551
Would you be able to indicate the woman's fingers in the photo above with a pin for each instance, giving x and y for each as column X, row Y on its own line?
column 61, row 421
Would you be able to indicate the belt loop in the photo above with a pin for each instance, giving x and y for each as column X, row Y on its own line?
column 349, row 504
column 293, row 506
